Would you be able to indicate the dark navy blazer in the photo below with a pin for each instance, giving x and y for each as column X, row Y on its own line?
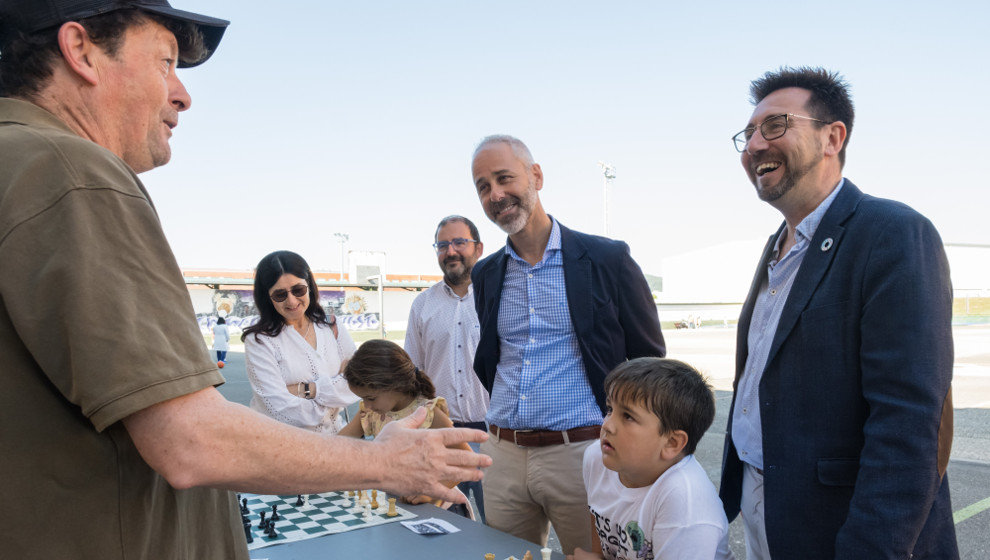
column 612, row 308
column 855, row 394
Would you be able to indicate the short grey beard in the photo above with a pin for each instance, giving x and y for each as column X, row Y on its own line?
column 456, row 279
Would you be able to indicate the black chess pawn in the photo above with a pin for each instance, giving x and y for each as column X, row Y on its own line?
column 271, row 532
column 275, row 516
column 299, row 501
column 244, row 508
column 264, row 522
column 247, row 533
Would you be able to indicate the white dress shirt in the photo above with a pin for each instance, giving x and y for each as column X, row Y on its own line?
column 275, row 361
column 441, row 339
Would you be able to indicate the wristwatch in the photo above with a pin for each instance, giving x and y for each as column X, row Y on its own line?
column 306, row 392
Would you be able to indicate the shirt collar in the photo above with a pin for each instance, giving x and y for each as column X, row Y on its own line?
column 25, row 112
column 450, row 291
column 553, row 244
column 809, row 225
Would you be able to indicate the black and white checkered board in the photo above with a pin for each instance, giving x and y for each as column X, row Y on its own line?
column 325, row 515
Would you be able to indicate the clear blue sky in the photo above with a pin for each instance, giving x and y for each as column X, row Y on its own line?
column 361, row 117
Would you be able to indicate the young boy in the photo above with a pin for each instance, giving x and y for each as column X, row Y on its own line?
column 648, row 496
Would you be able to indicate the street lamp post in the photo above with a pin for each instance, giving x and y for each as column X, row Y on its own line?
column 342, row 238
column 380, row 280
column 609, row 170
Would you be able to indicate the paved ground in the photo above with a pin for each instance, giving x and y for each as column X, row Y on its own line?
column 712, row 351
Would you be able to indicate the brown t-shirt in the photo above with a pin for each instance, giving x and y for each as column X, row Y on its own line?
column 95, row 324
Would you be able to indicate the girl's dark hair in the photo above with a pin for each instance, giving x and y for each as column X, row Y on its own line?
column 221, row 321
column 269, row 270
column 382, row 365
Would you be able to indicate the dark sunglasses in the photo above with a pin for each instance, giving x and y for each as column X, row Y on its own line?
column 299, row 290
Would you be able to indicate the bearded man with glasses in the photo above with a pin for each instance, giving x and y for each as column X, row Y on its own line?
column 442, row 332
column 841, row 419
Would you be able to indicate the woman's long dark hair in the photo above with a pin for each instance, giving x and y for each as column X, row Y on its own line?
column 269, row 270
column 382, row 365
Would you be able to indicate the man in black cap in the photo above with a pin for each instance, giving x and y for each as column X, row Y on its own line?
column 115, row 442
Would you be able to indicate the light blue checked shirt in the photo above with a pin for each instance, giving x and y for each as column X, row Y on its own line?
column 540, row 382
column 747, row 434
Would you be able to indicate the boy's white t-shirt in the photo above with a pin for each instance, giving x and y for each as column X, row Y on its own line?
column 678, row 517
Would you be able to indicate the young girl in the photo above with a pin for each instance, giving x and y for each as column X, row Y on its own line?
column 392, row 387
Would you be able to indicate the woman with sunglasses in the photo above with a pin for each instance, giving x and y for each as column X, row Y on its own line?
column 295, row 352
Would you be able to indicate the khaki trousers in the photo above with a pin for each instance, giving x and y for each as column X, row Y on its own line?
column 528, row 488
column 751, row 506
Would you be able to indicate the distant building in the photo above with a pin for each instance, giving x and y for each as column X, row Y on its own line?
column 717, row 274
column 722, row 273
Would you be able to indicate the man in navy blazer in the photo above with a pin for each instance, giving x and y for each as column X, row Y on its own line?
column 841, row 420
column 558, row 310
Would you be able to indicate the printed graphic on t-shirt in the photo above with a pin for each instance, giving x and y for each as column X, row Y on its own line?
column 622, row 542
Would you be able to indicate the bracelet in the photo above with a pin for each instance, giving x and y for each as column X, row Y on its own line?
column 306, row 393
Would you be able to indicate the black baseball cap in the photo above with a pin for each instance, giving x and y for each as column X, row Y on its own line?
column 30, row 16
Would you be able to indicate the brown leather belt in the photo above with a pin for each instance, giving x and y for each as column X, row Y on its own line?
column 543, row 438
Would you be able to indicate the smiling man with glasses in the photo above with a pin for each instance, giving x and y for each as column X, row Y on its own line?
column 442, row 333
column 844, row 342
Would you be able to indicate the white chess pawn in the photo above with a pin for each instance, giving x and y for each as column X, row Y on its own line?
column 545, row 552
column 367, row 511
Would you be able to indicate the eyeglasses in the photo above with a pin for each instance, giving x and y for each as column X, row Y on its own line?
column 458, row 243
column 299, row 290
column 772, row 128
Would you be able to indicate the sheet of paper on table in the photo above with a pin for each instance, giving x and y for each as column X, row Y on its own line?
column 431, row 526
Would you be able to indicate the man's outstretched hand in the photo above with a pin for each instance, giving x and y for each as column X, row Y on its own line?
column 416, row 461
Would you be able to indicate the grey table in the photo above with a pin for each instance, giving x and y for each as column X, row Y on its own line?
column 393, row 541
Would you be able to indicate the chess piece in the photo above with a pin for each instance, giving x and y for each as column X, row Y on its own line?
column 247, row 532
column 299, row 500
column 374, row 499
column 490, row 556
column 393, row 513
column 305, row 504
column 275, row 516
column 244, row 508
column 545, row 552
column 272, row 533
column 528, row 555
column 367, row 511
column 264, row 522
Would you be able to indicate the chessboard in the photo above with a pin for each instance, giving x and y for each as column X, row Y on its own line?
column 326, row 513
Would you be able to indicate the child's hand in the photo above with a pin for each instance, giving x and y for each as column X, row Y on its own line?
column 580, row 554
column 417, row 499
